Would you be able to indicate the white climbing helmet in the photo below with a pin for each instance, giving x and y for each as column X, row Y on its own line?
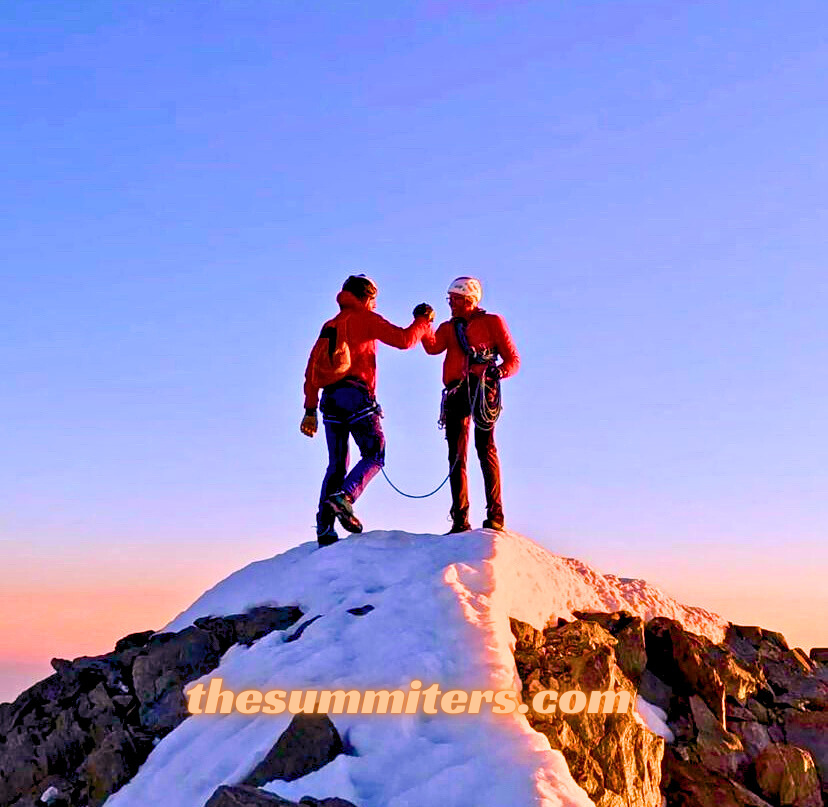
column 467, row 287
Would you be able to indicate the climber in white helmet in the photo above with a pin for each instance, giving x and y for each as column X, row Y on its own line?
column 479, row 353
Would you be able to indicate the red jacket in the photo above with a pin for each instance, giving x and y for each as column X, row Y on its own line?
column 364, row 329
column 483, row 331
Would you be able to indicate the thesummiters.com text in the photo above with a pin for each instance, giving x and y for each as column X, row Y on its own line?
column 431, row 701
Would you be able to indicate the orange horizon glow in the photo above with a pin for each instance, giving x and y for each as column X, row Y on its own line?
column 69, row 620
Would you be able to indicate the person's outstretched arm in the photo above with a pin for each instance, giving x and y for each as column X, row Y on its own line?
column 393, row 335
column 435, row 342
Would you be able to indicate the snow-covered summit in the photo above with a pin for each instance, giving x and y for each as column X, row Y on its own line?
column 441, row 608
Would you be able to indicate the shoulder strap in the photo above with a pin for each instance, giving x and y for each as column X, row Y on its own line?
column 481, row 356
column 460, row 331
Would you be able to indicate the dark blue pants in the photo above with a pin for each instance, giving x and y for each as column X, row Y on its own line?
column 349, row 410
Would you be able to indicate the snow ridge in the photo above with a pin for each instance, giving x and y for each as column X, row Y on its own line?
column 441, row 615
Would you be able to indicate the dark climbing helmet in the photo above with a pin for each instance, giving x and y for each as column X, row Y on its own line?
column 361, row 286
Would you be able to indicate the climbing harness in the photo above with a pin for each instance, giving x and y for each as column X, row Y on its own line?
column 485, row 404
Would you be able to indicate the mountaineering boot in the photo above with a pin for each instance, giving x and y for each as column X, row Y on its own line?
column 455, row 528
column 493, row 524
column 325, row 521
column 342, row 505
column 327, row 537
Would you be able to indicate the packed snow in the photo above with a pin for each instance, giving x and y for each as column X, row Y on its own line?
column 654, row 718
column 441, row 608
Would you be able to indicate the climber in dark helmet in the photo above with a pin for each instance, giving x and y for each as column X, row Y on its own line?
column 479, row 353
column 343, row 365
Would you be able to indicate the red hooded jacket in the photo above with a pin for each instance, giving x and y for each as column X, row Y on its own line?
column 483, row 330
column 364, row 328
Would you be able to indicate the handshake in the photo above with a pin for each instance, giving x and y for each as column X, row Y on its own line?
column 424, row 310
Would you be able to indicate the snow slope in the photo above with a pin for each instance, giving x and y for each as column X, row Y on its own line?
column 441, row 608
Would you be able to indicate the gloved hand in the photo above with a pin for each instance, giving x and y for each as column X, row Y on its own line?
column 424, row 310
column 493, row 372
column 309, row 424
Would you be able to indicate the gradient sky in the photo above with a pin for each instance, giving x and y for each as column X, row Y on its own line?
column 641, row 187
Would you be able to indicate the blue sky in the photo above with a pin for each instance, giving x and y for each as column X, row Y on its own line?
column 640, row 186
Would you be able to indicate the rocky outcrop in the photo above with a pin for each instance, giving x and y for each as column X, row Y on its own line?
column 694, row 665
column 687, row 784
column 309, row 742
column 785, row 774
column 809, row 730
column 749, row 716
column 615, row 760
column 247, row 796
column 85, row 730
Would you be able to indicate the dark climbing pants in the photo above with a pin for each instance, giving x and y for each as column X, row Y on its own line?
column 457, row 419
column 349, row 410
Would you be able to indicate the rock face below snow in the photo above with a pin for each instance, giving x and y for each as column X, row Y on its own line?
column 611, row 756
column 248, row 796
column 85, row 730
column 748, row 716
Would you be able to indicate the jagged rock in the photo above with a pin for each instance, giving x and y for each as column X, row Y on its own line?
column 309, row 743
column 248, row 628
column 688, row 784
column 819, row 655
column 611, row 756
column 759, row 711
column 628, row 631
column 21, row 766
column 694, row 665
column 754, row 736
column 134, row 640
column 809, row 730
column 794, row 679
column 655, row 691
column 66, row 745
column 734, row 712
column 800, row 657
column 786, row 775
column 710, row 761
column 245, row 796
column 109, row 766
column 95, row 720
column 718, row 750
column 260, row 621
column 746, row 641
column 172, row 660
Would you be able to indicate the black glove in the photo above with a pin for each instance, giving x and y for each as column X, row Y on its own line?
column 424, row 310
column 309, row 423
column 493, row 372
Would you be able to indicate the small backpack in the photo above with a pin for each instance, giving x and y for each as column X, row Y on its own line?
column 330, row 358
